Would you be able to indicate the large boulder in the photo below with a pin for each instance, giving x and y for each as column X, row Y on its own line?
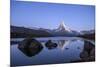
column 88, row 53
column 50, row 45
column 30, row 47
column 88, row 46
column 92, row 54
column 84, row 55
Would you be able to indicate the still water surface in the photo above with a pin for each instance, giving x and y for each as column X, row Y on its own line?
column 68, row 49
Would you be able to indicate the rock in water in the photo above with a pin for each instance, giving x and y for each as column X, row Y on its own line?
column 88, row 53
column 88, row 46
column 84, row 55
column 30, row 47
column 50, row 45
column 92, row 55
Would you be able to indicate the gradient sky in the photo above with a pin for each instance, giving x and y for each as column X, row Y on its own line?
column 49, row 16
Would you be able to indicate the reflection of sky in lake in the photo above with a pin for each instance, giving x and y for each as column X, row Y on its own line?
column 66, row 51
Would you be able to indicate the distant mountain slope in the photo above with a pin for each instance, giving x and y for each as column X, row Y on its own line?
column 63, row 30
column 62, row 27
column 87, row 32
column 90, row 34
column 21, row 32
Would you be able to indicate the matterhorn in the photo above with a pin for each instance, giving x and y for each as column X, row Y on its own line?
column 62, row 27
column 63, row 30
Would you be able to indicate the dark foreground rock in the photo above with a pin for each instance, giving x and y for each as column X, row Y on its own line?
column 50, row 45
column 30, row 47
column 88, row 53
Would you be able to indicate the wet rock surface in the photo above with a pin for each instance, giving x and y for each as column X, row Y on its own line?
column 88, row 53
column 50, row 45
column 30, row 47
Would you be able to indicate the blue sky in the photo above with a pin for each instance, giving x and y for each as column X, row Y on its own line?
column 49, row 15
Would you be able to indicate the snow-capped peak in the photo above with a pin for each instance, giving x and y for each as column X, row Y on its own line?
column 62, row 27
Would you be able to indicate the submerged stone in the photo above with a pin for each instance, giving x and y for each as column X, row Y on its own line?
column 30, row 47
column 50, row 45
column 88, row 53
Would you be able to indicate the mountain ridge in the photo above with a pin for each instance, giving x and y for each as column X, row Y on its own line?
column 62, row 30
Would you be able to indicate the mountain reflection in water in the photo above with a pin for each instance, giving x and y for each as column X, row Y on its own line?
column 55, row 50
column 50, row 44
column 63, row 44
